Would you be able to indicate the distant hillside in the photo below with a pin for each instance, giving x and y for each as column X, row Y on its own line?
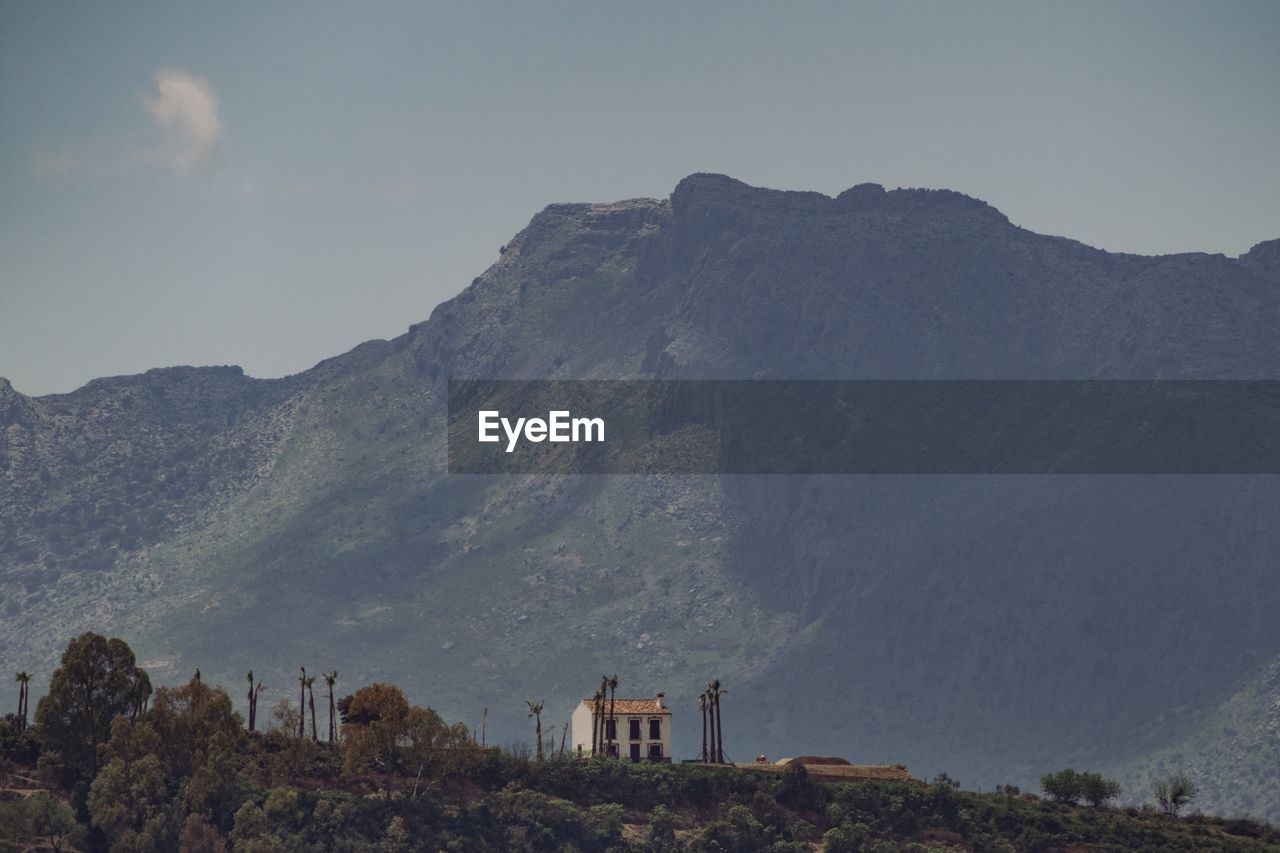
column 994, row 627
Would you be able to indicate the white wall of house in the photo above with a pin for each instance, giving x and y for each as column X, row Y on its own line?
column 582, row 728
column 631, row 723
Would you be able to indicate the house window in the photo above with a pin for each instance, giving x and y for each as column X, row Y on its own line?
column 635, row 729
column 610, row 729
column 655, row 729
column 655, row 750
column 612, row 750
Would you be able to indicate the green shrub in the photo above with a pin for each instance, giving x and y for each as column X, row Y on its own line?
column 1175, row 792
column 737, row 830
column 846, row 838
column 1065, row 786
column 662, row 827
column 1096, row 790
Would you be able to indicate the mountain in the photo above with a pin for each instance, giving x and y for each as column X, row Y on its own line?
column 994, row 627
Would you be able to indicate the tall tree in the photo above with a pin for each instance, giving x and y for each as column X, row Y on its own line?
column 302, row 703
column 187, row 720
column 97, row 680
column 595, row 723
column 564, row 737
column 604, row 694
column 130, row 791
column 311, row 703
column 712, row 686
column 382, row 732
column 718, row 737
column 1175, row 792
column 330, row 679
column 535, row 712
column 484, row 723
column 257, row 691
column 613, row 721
column 24, row 691
column 702, row 704
column 252, row 715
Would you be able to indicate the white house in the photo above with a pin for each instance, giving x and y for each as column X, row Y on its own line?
column 640, row 728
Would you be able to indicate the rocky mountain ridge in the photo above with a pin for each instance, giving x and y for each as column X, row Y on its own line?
column 993, row 627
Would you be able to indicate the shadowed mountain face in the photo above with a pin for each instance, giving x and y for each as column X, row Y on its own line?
column 995, row 627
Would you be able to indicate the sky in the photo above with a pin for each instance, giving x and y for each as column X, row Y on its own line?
column 269, row 184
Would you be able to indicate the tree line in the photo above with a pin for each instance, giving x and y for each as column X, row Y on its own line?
column 176, row 767
column 75, row 697
column 1173, row 793
column 137, row 761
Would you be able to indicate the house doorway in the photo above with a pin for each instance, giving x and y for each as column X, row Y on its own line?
column 635, row 752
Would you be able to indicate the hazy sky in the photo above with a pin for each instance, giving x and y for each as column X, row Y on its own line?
column 268, row 184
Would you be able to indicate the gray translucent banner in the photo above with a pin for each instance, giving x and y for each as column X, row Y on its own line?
column 864, row 427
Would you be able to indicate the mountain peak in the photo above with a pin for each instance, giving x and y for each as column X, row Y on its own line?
column 861, row 195
column 709, row 189
column 1265, row 256
column 11, row 404
column 714, row 190
column 710, row 182
column 910, row 199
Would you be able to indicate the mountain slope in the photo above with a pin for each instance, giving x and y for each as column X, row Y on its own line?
column 994, row 627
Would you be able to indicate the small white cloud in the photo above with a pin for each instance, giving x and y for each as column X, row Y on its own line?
column 186, row 107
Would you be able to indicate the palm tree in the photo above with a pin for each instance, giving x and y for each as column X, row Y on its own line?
column 195, row 691
column 249, row 677
column 330, row 679
column 718, row 739
column 311, row 701
column 711, row 718
column 24, row 680
column 613, row 698
column 302, row 703
column 604, row 731
column 702, row 705
column 535, row 711
column 597, row 720
column 595, row 700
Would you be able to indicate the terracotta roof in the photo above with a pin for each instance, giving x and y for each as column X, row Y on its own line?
column 630, row 706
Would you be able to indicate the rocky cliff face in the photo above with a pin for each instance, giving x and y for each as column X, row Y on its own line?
column 993, row 627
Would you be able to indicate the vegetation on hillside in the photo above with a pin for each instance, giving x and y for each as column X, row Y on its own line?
column 111, row 764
